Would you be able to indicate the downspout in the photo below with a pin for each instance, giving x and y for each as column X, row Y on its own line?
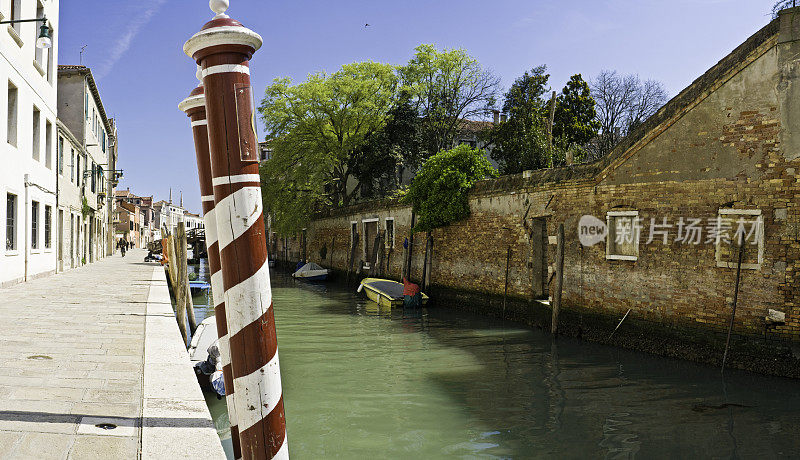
column 27, row 229
column 60, row 245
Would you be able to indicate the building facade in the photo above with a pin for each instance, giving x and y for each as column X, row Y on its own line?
column 81, row 111
column 27, row 143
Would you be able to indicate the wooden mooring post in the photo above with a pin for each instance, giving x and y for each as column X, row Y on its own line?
column 559, row 279
column 183, row 263
column 735, row 299
column 505, row 290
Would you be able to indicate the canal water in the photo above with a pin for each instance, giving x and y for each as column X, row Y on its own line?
column 364, row 382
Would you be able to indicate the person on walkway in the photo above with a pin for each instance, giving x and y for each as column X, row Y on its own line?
column 412, row 297
column 122, row 245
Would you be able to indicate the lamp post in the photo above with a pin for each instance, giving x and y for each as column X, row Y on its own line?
column 43, row 41
column 195, row 108
column 223, row 49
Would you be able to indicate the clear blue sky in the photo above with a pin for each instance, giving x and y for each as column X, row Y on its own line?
column 135, row 51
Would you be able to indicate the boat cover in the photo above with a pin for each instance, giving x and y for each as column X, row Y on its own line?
column 310, row 269
column 389, row 288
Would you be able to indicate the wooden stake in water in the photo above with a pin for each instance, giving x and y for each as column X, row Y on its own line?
column 183, row 263
column 735, row 299
column 505, row 291
column 559, row 279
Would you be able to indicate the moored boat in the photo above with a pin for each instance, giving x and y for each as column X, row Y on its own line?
column 311, row 272
column 386, row 293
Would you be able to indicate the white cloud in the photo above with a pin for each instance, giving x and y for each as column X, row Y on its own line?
column 121, row 45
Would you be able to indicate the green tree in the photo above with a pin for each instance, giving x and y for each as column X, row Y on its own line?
column 447, row 86
column 379, row 163
column 520, row 143
column 316, row 127
column 575, row 121
column 439, row 192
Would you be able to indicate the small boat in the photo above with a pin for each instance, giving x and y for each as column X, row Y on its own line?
column 386, row 293
column 311, row 272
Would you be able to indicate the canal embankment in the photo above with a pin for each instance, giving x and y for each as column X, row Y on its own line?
column 92, row 363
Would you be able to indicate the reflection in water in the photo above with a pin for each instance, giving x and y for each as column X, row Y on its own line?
column 362, row 381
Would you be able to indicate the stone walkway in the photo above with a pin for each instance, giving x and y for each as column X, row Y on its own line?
column 72, row 354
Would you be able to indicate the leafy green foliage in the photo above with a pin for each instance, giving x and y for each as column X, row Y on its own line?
column 575, row 118
column 439, row 191
column 447, row 86
column 521, row 142
column 315, row 127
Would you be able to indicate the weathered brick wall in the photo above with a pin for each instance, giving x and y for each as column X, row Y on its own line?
column 719, row 144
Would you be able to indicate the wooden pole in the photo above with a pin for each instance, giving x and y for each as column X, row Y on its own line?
column 410, row 261
column 735, row 299
column 195, row 108
column 426, row 271
column 550, row 122
column 352, row 256
column 559, row 279
column 183, row 262
column 373, row 266
column 505, row 291
column 223, row 48
column 178, row 288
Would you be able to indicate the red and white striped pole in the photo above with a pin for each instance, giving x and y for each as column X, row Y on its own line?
column 223, row 49
column 195, row 108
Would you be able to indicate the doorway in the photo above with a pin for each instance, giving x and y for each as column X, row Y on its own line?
column 538, row 258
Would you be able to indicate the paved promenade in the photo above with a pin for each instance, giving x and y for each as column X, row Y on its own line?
column 98, row 345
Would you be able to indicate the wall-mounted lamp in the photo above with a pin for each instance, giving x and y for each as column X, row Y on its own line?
column 43, row 41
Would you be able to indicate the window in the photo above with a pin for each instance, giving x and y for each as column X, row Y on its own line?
column 94, row 178
column 733, row 225
column 40, row 55
column 16, row 11
column 86, row 102
column 622, row 242
column 60, row 159
column 353, row 233
column 11, row 222
column 72, row 166
column 131, row 225
column 34, row 225
column 48, row 144
column 37, row 135
column 389, row 232
column 78, row 183
column 47, row 226
column 11, row 127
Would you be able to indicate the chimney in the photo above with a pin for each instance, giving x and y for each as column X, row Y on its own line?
column 503, row 118
column 170, row 195
column 496, row 114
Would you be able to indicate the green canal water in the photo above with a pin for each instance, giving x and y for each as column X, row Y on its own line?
column 360, row 382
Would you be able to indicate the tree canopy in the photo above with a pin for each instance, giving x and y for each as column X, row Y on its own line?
column 439, row 191
column 447, row 86
column 314, row 128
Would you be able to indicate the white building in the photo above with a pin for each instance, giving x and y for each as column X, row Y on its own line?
column 81, row 111
column 27, row 142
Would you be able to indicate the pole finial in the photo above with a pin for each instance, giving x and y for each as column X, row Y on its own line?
column 219, row 7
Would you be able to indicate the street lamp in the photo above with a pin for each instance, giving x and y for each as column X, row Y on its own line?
column 43, row 41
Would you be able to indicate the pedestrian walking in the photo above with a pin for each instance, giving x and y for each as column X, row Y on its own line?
column 123, row 246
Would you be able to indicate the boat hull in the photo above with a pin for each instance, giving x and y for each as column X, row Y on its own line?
column 385, row 299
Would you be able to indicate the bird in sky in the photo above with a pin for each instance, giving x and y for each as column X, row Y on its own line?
column 366, row 25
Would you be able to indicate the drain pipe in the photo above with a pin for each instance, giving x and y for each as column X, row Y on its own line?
column 27, row 228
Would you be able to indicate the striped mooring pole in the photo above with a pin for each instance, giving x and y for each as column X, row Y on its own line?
column 222, row 49
column 195, row 108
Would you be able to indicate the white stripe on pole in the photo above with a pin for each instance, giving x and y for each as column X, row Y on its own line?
column 251, row 405
column 200, row 123
column 226, row 68
column 217, row 286
column 210, row 220
column 207, row 198
column 236, row 213
column 283, row 452
column 252, row 291
column 236, row 179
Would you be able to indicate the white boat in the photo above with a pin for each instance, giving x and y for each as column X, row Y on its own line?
column 204, row 354
column 311, row 272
